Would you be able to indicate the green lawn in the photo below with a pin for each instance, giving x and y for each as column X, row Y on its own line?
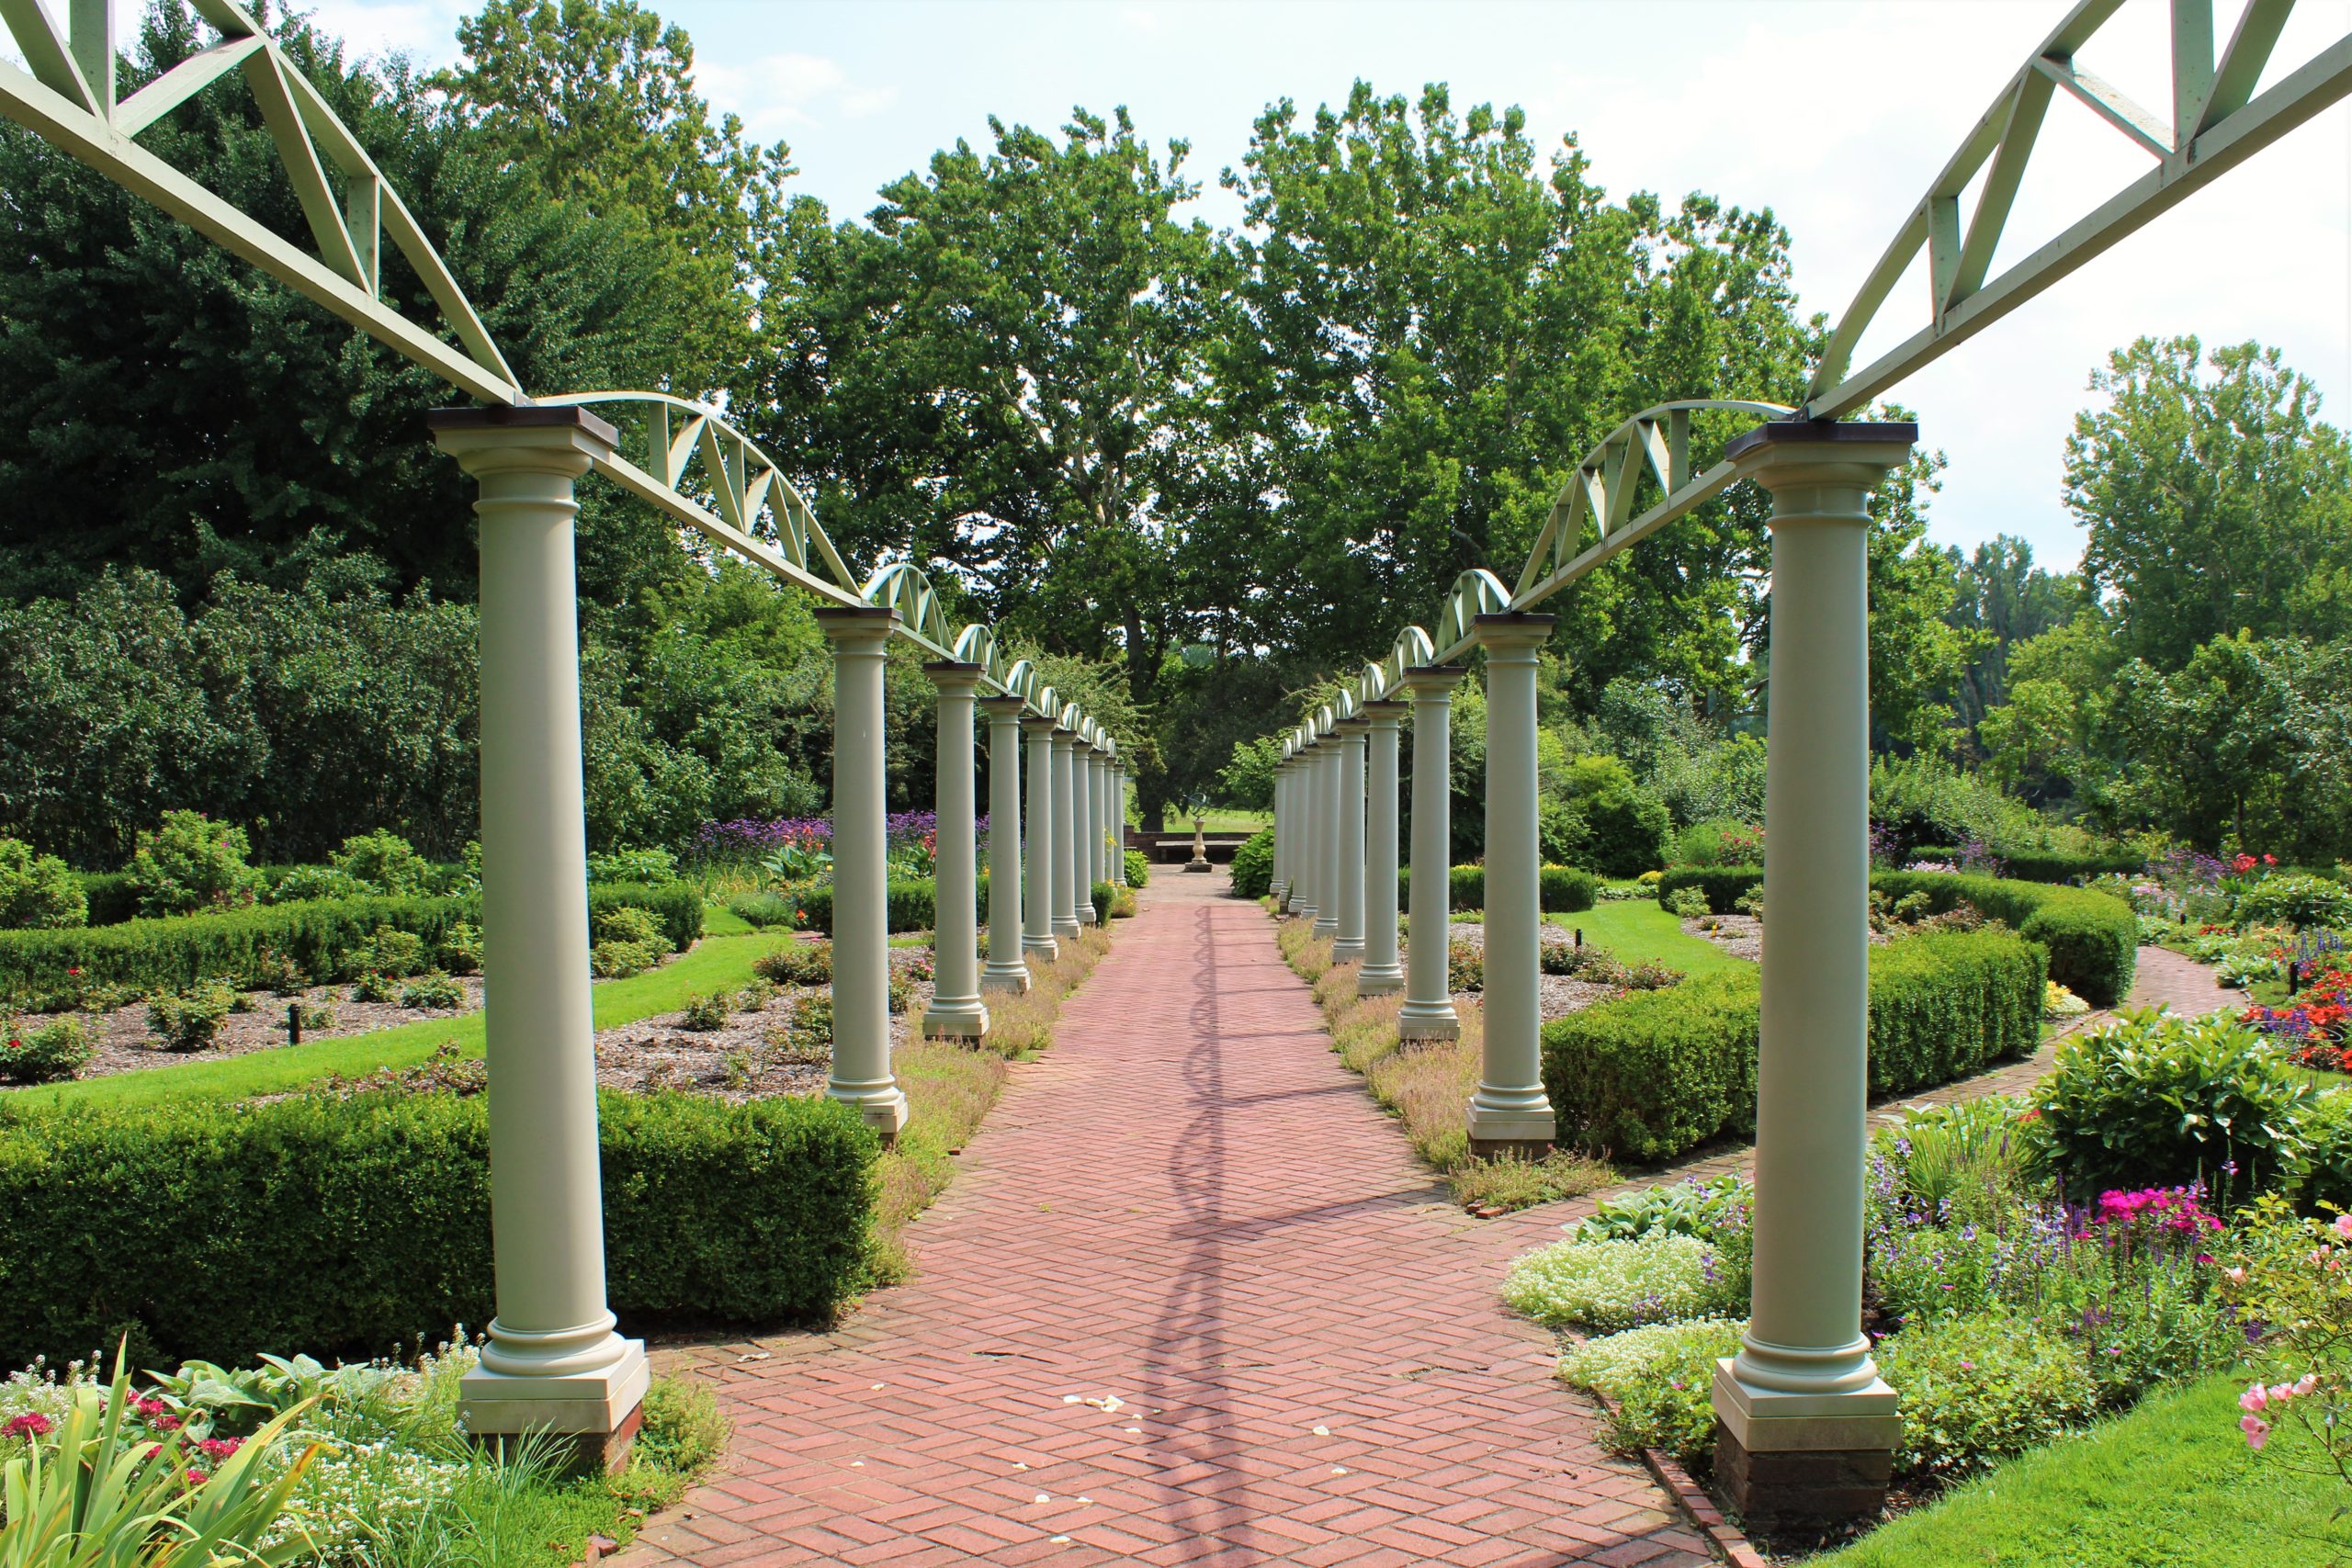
column 2172, row 1483
column 716, row 962
column 1636, row 929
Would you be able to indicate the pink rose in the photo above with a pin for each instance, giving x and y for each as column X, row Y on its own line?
column 2256, row 1430
column 2342, row 1227
column 2307, row 1382
column 2254, row 1400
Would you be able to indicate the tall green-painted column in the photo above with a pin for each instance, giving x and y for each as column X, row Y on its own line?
column 1329, row 837
column 1006, row 971
column 861, row 1076
column 1037, row 843
column 1065, row 836
column 956, row 1010
column 1381, row 974
column 1082, row 834
column 553, row 1361
column 1510, row 1114
column 1306, row 863
column 1349, row 945
column 1805, row 1427
column 1098, row 814
column 1118, row 824
column 1429, row 1012
column 1284, row 825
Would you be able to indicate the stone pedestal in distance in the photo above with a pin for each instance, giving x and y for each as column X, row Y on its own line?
column 1200, row 861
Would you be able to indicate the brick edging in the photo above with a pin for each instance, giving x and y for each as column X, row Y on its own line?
column 1722, row 1538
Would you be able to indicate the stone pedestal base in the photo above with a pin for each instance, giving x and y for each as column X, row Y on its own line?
column 966, row 1020
column 593, row 1417
column 1012, row 982
column 1347, row 953
column 1447, row 1027
column 1198, row 865
column 1514, row 1130
column 1792, row 1458
column 1800, row 1485
column 1383, row 983
column 1495, row 1148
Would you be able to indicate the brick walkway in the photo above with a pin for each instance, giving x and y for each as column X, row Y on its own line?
column 1191, row 1300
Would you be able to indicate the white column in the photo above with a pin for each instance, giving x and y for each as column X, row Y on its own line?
column 1117, row 784
column 553, row 1361
column 1280, row 886
column 1098, row 814
column 1349, row 945
column 861, row 1076
column 1306, row 870
column 1381, row 973
column 1037, row 844
column 1064, row 842
column 1082, row 833
column 1327, row 838
column 1428, row 999
column 1006, row 972
column 1509, row 1113
column 956, row 1010
column 1804, row 1387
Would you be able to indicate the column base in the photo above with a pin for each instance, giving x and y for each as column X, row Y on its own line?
column 1043, row 947
column 1514, row 1129
column 1376, row 981
column 1429, row 1025
column 1345, row 952
column 1065, row 928
column 1298, row 911
column 1801, row 1458
column 592, row 1416
column 1327, row 925
column 1012, row 980
column 884, row 1110
column 962, row 1018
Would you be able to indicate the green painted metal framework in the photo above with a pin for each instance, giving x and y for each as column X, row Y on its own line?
column 1641, row 477
column 691, row 464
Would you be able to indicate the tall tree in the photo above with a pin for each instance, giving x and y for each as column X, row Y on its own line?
column 2008, row 599
column 2215, row 503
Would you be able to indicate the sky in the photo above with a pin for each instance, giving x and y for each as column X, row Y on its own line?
column 1833, row 112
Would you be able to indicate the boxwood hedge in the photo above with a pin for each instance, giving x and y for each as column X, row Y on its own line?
column 1653, row 1073
column 343, row 1227
column 2052, row 866
column 1563, row 888
column 2093, row 940
column 914, row 904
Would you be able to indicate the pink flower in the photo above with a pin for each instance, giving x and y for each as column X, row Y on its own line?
column 31, row 1424
column 2342, row 1227
column 2236, row 1276
column 2254, row 1400
column 2307, row 1382
column 2256, row 1430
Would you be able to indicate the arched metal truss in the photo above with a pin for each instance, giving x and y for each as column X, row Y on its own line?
column 1642, row 475
column 691, row 463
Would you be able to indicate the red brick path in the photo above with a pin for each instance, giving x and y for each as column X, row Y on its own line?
column 1188, row 1208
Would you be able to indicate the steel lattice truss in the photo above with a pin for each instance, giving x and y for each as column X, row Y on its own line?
column 693, row 456
column 1641, row 476
column 695, row 467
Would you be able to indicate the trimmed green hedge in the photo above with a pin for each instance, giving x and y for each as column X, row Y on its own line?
column 2051, row 866
column 2093, row 940
column 1253, row 866
column 1563, row 888
column 1658, row 1072
column 175, row 954
column 346, row 1226
column 113, row 899
column 914, row 904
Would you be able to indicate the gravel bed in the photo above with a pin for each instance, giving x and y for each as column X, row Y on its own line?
column 126, row 1044
column 1557, row 995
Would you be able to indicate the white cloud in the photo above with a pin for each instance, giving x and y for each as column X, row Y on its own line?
column 780, row 92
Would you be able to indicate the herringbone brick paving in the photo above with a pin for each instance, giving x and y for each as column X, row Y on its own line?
column 1189, row 1301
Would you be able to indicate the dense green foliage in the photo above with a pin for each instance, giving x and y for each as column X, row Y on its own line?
column 1253, row 866
column 913, row 905
column 350, row 1225
column 1657, row 1072
column 2092, row 940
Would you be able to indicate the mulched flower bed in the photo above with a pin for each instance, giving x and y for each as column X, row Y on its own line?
column 125, row 1043
column 1557, row 995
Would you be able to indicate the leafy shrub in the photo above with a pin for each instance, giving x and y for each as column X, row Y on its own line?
column 2295, row 900
column 1687, row 904
column 1465, row 965
column 371, row 987
column 2323, row 1183
column 1606, row 1285
column 1976, row 1389
column 1660, row 1378
column 629, row 923
column 383, row 861
column 763, row 910
column 1565, row 890
column 619, row 960
column 1964, row 1162
column 56, row 1050
column 433, row 990
column 653, row 864
column 2093, row 940
column 685, row 1432
column 797, row 964
column 1652, row 1074
column 2158, row 1100
column 301, row 882
column 389, row 952
column 1693, row 1208
column 113, row 896
column 38, row 890
column 1253, row 866
column 1720, row 842
column 677, row 905
column 461, row 951
column 2051, row 866
column 347, row 1223
column 276, row 973
column 192, row 863
column 809, row 1023
column 190, row 1020
column 913, row 905
column 1465, row 887
column 1139, row 870
column 704, row 1014
column 1624, row 830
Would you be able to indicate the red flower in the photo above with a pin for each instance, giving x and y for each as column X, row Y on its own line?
column 31, row 1424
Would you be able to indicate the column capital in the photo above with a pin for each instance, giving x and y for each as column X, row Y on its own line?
column 552, row 438
column 1037, row 724
column 954, row 675
column 846, row 625
column 1065, row 738
column 1789, row 455
column 1003, row 707
column 1384, row 715
column 1433, row 681
column 1350, row 728
column 1512, row 631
